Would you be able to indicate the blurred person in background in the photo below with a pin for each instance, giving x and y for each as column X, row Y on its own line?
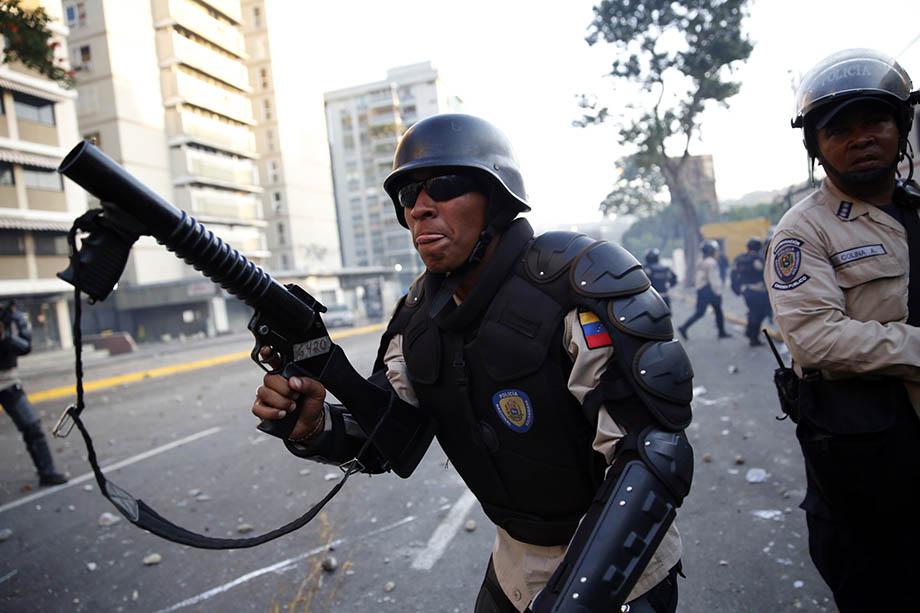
column 708, row 286
column 661, row 276
column 747, row 281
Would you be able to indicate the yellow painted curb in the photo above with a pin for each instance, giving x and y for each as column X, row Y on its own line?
column 165, row 371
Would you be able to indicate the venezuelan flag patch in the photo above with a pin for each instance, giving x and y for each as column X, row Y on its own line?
column 596, row 334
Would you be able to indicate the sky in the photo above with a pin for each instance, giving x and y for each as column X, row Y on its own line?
column 521, row 64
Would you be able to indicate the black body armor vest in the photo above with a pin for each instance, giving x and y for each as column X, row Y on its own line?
column 494, row 373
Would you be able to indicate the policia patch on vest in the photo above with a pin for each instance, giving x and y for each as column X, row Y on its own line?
column 596, row 334
column 514, row 409
column 787, row 261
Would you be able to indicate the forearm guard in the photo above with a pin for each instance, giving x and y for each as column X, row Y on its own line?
column 622, row 529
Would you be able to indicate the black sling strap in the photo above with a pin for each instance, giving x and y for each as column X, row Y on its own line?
column 911, row 223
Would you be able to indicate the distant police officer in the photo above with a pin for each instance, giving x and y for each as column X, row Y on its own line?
column 708, row 283
column 547, row 369
column 661, row 276
column 747, row 281
column 15, row 341
column 844, row 281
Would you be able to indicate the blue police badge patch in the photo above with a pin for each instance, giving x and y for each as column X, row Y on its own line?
column 514, row 409
column 787, row 260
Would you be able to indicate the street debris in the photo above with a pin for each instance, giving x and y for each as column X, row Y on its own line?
column 91, row 566
column 756, row 475
column 5, row 534
column 723, row 562
column 774, row 514
column 108, row 519
column 153, row 559
column 732, row 369
column 304, row 472
column 202, row 498
column 707, row 457
column 470, row 525
column 331, row 476
column 88, row 487
column 244, row 528
column 798, row 584
column 389, row 586
column 739, row 459
column 329, row 564
column 194, row 493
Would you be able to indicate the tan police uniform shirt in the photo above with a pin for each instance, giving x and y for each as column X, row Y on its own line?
column 523, row 569
column 707, row 273
column 837, row 274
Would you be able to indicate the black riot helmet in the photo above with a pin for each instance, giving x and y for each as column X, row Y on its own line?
column 754, row 244
column 461, row 142
column 652, row 256
column 709, row 248
column 850, row 76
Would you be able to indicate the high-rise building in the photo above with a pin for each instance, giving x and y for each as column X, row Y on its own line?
column 364, row 124
column 291, row 142
column 38, row 124
column 164, row 90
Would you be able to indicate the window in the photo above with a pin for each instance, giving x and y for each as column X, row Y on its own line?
column 267, row 108
column 41, row 178
column 274, row 172
column 270, row 140
column 280, row 233
column 6, row 174
column 75, row 14
column 50, row 243
column 263, row 78
column 277, row 202
column 12, row 242
column 2, row 107
column 257, row 17
column 85, row 62
column 32, row 108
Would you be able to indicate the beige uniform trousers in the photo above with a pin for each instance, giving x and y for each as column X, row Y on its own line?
column 523, row 569
column 837, row 274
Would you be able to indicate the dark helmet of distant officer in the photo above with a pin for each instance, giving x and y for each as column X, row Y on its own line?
column 754, row 244
column 652, row 256
column 847, row 77
column 456, row 142
column 709, row 248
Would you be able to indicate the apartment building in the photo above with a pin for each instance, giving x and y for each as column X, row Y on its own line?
column 38, row 124
column 291, row 142
column 363, row 124
column 164, row 90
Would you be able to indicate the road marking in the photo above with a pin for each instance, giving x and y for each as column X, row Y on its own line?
column 165, row 371
column 9, row 575
column 278, row 567
column 444, row 533
column 110, row 468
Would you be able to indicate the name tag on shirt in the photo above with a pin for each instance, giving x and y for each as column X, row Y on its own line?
column 857, row 253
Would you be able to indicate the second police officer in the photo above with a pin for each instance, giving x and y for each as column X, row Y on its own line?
column 844, row 281
column 503, row 349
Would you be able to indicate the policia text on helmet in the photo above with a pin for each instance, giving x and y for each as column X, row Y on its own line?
column 857, row 89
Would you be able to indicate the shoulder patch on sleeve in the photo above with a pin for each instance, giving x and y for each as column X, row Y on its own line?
column 596, row 335
column 787, row 262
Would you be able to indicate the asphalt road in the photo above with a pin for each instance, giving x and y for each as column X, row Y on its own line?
column 186, row 444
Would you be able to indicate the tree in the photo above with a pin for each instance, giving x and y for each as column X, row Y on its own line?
column 681, row 55
column 27, row 39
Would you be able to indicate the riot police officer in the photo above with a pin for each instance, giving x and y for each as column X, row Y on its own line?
column 16, row 340
column 708, row 283
column 747, row 281
column 661, row 276
column 844, row 282
column 472, row 356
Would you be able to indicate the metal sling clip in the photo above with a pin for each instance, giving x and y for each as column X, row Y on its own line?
column 353, row 465
column 64, row 423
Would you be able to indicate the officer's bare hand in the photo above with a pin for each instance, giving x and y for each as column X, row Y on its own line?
column 277, row 396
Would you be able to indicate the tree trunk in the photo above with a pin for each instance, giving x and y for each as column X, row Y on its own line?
column 692, row 235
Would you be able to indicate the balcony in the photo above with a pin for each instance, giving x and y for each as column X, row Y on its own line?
column 201, row 164
column 220, row 100
column 174, row 46
column 14, row 267
column 46, row 200
column 47, row 266
column 192, row 16
column 229, row 8
column 34, row 132
column 214, row 204
column 219, row 134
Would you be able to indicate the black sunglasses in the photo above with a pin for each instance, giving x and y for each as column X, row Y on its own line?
column 440, row 188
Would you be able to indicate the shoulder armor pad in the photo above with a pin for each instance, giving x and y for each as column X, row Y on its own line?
column 644, row 314
column 416, row 290
column 551, row 254
column 664, row 374
column 607, row 270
